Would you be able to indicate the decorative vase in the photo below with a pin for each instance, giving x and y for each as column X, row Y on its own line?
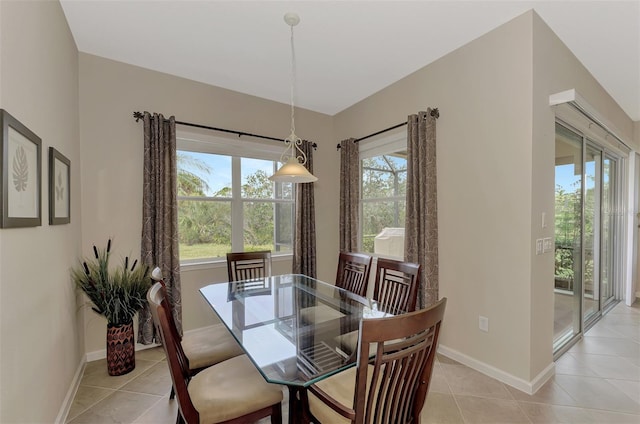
column 121, row 357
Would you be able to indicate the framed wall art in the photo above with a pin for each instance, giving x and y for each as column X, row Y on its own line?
column 59, row 188
column 21, row 178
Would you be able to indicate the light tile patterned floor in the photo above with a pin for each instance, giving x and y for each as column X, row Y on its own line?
column 597, row 381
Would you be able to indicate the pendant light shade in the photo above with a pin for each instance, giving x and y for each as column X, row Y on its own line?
column 293, row 172
column 293, row 158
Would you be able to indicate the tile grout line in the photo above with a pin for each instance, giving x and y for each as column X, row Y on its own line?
column 149, row 409
column 112, row 389
column 453, row 395
column 92, row 404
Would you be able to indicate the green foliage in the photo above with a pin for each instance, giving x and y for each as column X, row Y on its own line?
column 568, row 221
column 381, row 179
column 203, row 224
column 189, row 183
column 212, row 250
column 118, row 293
column 201, row 221
column 568, row 227
column 368, row 242
column 384, row 181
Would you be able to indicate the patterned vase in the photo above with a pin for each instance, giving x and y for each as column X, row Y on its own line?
column 121, row 357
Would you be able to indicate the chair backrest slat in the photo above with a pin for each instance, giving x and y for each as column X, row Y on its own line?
column 396, row 286
column 405, row 349
column 249, row 265
column 353, row 272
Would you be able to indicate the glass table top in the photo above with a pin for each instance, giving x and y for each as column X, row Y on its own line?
column 295, row 329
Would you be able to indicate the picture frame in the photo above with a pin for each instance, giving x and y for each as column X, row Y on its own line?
column 59, row 188
column 21, row 176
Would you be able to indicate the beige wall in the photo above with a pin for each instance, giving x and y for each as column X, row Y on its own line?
column 495, row 179
column 555, row 69
column 483, row 92
column 40, row 350
column 112, row 148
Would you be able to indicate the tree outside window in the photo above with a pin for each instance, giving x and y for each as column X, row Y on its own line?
column 228, row 204
column 383, row 204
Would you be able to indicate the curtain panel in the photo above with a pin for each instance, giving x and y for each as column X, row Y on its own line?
column 349, row 195
column 304, row 245
column 160, row 215
column 421, row 224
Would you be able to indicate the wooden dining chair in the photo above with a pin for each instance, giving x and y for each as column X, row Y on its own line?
column 353, row 272
column 391, row 385
column 395, row 292
column 249, row 265
column 353, row 276
column 230, row 392
column 202, row 348
column 396, row 286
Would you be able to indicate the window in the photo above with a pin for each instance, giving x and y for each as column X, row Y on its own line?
column 226, row 201
column 383, row 167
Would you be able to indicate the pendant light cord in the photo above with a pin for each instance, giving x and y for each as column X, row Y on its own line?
column 293, row 79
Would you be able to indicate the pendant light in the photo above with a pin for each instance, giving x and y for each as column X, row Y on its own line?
column 293, row 158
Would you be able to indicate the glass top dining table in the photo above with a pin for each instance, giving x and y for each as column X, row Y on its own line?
column 291, row 326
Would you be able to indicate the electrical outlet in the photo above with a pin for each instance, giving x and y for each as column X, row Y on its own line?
column 483, row 323
column 539, row 247
column 547, row 245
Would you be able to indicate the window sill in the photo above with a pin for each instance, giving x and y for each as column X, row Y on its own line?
column 222, row 263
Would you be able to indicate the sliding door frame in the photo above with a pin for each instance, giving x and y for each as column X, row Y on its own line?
column 618, row 253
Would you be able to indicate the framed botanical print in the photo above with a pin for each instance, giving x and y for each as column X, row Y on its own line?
column 59, row 188
column 21, row 177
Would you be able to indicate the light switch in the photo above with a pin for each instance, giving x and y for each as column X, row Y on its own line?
column 547, row 245
column 483, row 323
column 539, row 247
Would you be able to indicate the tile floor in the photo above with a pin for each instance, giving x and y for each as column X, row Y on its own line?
column 597, row 381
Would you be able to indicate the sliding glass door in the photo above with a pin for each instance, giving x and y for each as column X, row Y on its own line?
column 611, row 226
column 592, row 208
column 587, row 233
column 568, row 236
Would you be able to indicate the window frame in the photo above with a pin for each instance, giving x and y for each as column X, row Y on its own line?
column 202, row 142
column 390, row 142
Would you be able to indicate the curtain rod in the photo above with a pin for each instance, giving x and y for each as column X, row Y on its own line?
column 139, row 115
column 434, row 112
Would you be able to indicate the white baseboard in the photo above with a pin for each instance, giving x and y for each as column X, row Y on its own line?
column 94, row 356
column 102, row 353
column 71, row 394
column 529, row 387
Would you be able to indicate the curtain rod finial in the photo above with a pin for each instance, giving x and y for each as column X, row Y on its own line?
column 138, row 116
column 435, row 113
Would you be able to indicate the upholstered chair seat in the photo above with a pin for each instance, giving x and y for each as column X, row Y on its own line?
column 319, row 313
column 229, row 392
column 210, row 346
column 202, row 348
column 231, row 389
column 342, row 388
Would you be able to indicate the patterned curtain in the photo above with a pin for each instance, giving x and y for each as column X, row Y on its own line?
column 160, row 215
column 421, row 225
column 349, row 195
column 304, row 245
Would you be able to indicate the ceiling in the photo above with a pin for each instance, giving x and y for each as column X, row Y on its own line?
column 345, row 50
